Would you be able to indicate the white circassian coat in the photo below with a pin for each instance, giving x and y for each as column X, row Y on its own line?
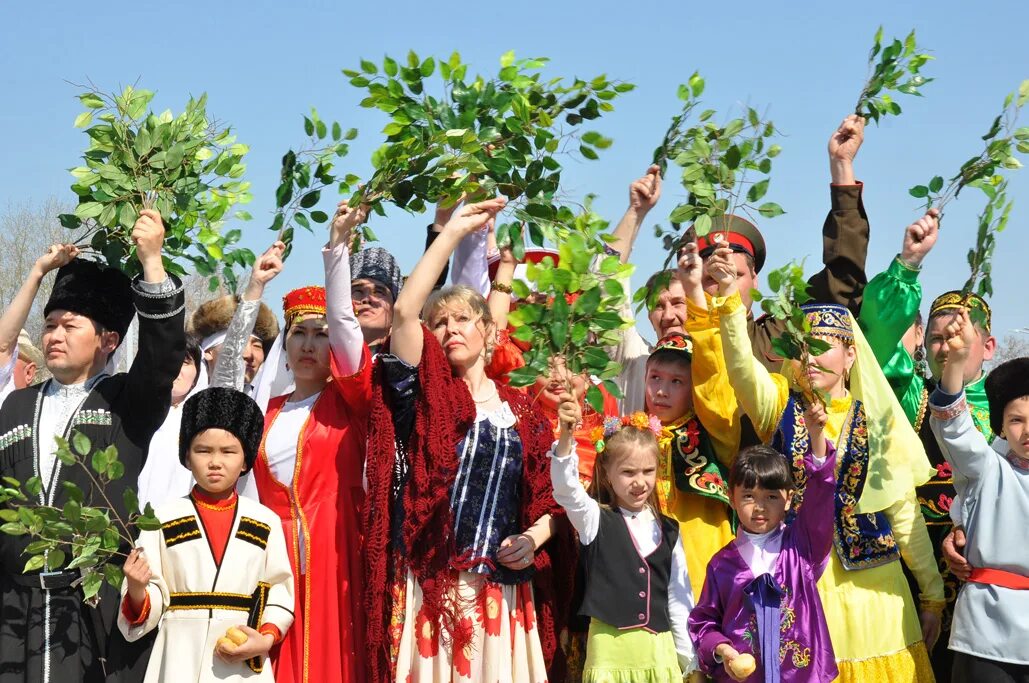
column 181, row 562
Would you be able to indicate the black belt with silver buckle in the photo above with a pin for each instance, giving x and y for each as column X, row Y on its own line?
column 48, row 581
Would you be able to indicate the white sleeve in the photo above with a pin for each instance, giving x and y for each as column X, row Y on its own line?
column 631, row 353
column 279, row 574
column 680, row 604
column 583, row 512
column 345, row 337
column 471, row 266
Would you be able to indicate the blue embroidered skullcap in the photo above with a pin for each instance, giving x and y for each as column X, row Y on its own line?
column 830, row 320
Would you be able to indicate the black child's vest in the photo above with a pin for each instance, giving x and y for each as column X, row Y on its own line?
column 623, row 588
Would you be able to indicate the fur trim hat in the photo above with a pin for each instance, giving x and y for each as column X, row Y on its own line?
column 102, row 294
column 1005, row 383
column 222, row 408
column 215, row 315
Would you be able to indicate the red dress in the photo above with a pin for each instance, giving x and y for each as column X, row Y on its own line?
column 326, row 642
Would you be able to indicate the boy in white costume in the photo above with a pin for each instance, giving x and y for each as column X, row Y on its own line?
column 219, row 561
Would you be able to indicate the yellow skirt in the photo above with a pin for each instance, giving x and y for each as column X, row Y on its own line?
column 873, row 624
column 704, row 529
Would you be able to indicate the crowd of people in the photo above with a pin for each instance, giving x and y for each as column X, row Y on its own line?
column 353, row 492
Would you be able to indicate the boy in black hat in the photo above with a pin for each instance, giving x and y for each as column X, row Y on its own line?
column 47, row 633
column 216, row 577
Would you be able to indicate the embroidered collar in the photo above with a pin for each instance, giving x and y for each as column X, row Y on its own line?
column 66, row 391
column 207, row 502
column 1019, row 463
column 669, row 430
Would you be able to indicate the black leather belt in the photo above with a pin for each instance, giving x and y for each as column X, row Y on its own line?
column 47, row 581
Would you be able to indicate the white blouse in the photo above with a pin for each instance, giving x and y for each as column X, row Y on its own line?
column 280, row 447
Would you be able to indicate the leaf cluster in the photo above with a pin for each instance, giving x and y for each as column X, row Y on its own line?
column 725, row 169
column 307, row 172
column 78, row 535
column 186, row 167
column 573, row 310
column 985, row 172
column 789, row 291
column 897, row 69
column 452, row 135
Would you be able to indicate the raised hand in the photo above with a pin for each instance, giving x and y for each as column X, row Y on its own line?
column 569, row 412
column 345, row 221
column 644, row 192
column 471, row 217
column 444, row 212
column 57, row 256
column 844, row 144
column 959, row 336
column 690, row 272
column 721, row 267
column 919, row 238
column 266, row 267
column 148, row 236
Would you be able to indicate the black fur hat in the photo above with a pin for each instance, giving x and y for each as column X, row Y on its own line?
column 222, row 408
column 102, row 294
column 1005, row 383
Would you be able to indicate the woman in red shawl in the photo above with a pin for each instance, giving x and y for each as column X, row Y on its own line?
column 309, row 471
column 460, row 509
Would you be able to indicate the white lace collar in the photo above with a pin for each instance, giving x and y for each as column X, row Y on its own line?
column 502, row 417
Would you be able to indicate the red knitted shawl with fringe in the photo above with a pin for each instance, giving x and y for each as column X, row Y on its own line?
column 444, row 412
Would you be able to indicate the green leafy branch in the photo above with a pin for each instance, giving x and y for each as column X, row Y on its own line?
column 187, row 167
column 1003, row 140
column 86, row 537
column 789, row 291
column 897, row 70
column 458, row 136
column 306, row 173
column 725, row 170
column 577, row 310
column 722, row 166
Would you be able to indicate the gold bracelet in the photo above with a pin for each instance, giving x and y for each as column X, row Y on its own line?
column 501, row 287
column 934, row 606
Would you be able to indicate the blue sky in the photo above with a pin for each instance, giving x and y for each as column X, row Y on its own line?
column 264, row 64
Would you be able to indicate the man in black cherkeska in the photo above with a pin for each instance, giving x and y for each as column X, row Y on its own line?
column 47, row 632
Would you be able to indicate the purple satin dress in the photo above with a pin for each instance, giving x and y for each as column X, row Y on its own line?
column 738, row 608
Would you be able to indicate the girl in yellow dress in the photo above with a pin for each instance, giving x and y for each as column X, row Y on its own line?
column 877, row 633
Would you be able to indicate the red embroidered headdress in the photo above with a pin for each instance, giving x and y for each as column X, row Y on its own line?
column 301, row 301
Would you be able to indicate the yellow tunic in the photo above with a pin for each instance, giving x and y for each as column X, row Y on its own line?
column 703, row 522
column 870, row 614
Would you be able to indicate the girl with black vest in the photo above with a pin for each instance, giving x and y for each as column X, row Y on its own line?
column 637, row 591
